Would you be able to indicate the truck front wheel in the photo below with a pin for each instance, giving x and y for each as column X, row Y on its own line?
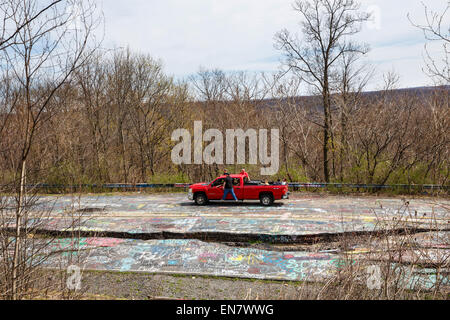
column 200, row 199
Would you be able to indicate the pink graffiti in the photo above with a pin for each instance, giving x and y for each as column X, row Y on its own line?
column 254, row 270
column 207, row 255
column 104, row 242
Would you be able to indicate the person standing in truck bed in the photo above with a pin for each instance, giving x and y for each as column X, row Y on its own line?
column 246, row 176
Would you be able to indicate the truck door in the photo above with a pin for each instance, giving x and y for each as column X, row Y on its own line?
column 238, row 188
column 215, row 191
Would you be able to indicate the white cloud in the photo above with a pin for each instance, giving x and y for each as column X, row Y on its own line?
column 238, row 34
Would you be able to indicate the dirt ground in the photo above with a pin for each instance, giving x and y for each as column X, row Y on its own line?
column 142, row 286
column 102, row 285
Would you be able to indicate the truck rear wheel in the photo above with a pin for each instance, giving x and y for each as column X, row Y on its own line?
column 266, row 199
column 200, row 199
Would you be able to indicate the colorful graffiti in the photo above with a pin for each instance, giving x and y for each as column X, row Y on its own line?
column 196, row 257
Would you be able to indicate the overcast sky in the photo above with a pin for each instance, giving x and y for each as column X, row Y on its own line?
column 238, row 34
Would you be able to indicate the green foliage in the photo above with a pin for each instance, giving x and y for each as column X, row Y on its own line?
column 297, row 173
column 168, row 178
column 67, row 174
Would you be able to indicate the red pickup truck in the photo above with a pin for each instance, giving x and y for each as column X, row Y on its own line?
column 202, row 193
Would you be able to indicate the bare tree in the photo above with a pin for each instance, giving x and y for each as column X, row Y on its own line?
column 437, row 29
column 350, row 81
column 9, row 9
column 158, row 104
column 326, row 26
column 92, row 78
column 294, row 120
column 209, row 87
column 50, row 42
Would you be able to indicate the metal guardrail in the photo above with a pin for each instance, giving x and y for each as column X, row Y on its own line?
column 109, row 185
column 368, row 186
column 294, row 185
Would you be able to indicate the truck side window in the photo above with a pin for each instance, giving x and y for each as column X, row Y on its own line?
column 236, row 182
column 218, row 182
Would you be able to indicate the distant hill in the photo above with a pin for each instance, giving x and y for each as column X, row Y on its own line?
column 415, row 90
column 315, row 101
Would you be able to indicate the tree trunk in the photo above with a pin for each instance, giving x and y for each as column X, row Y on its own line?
column 18, row 230
column 326, row 132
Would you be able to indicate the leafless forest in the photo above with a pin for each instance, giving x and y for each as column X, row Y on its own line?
column 73, row 112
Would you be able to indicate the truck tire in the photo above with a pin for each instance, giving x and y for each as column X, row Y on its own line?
column 200, row 199
column 266, row 199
